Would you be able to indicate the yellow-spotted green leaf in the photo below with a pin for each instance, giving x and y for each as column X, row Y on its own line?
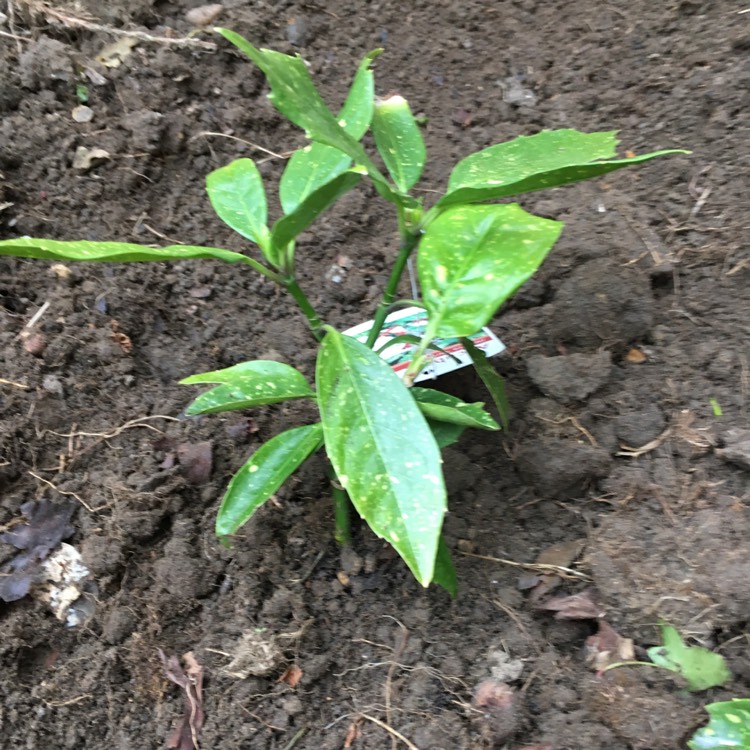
column 445, row 433
column 290, row 226
column 399, row 141
column 382, row 450
column 443, row 407
column 294, row 94
column 267, row 469
column 247, row 384
column 729, row 727
column 492, row 380
column 111, row 252
column 472, row 258
column 236, row 194
column 445, row 571
column 701, row 668
column 535, row 162
column 315, row 165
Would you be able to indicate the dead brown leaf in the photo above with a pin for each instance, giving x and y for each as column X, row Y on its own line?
column 606, row 647
column 187, row 733
column 120, row 338
column 292, row 675
column 560, row 555
column 581, row 606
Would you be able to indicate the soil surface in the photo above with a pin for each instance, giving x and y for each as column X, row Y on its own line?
column 622, row 353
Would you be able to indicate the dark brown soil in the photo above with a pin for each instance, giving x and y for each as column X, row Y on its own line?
column 655, row 258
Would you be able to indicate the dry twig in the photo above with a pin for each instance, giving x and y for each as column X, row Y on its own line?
column 56, row 16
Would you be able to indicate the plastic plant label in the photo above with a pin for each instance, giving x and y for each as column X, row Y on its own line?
column 411, row 322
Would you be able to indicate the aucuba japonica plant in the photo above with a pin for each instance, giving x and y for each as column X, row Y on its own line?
column 382, row 436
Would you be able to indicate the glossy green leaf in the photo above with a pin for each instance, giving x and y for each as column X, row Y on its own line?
column 248, row 384
column 267, row 469
column 472, row 258
column 446, row 408
column 315, row 165
column 290, row 226
column 382, row 450
column 399, row 141
column 236, row 194
column 492, row 380
column 701, row 668
column 117, row 252
column 445, row 571
column 544, row 160
column 445, row 433
column 729, row 726
column 294, row 94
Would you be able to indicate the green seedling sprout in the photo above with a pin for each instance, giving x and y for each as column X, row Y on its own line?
column 702, row 669
column 729, row 727
column 382, row 438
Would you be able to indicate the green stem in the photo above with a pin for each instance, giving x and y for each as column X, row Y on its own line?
column 341, row 506
column 408, row 243
column 260, row 268
column 316, row 325
column 418, row 360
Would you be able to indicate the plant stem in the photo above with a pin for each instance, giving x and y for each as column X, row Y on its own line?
column 408, row 243
column 418, row 360
column 341, row 503
column 316, row 326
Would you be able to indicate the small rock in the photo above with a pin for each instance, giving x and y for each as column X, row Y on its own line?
column 82, row 114
column 52, row 384
column 736, row 448
column 86, row 158
column 35, row 344
column 570, row 378
column 203, row 15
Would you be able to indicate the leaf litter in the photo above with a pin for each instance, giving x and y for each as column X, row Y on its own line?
column 45, row 527
column 186, row 735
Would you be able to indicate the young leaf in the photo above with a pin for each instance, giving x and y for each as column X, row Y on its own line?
column 111, row 252
column 491, row 379
column 399, row 141
column 445, row 571
column 247, row 384
column 236, row 194
column 472, row 258
column 446, row 408
column 382, row 450
column 267, row 469
column 294, row 94
column 315, row 165
column 703, row 669
column 544, row 160
column 290, row 226
column 729, row 726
